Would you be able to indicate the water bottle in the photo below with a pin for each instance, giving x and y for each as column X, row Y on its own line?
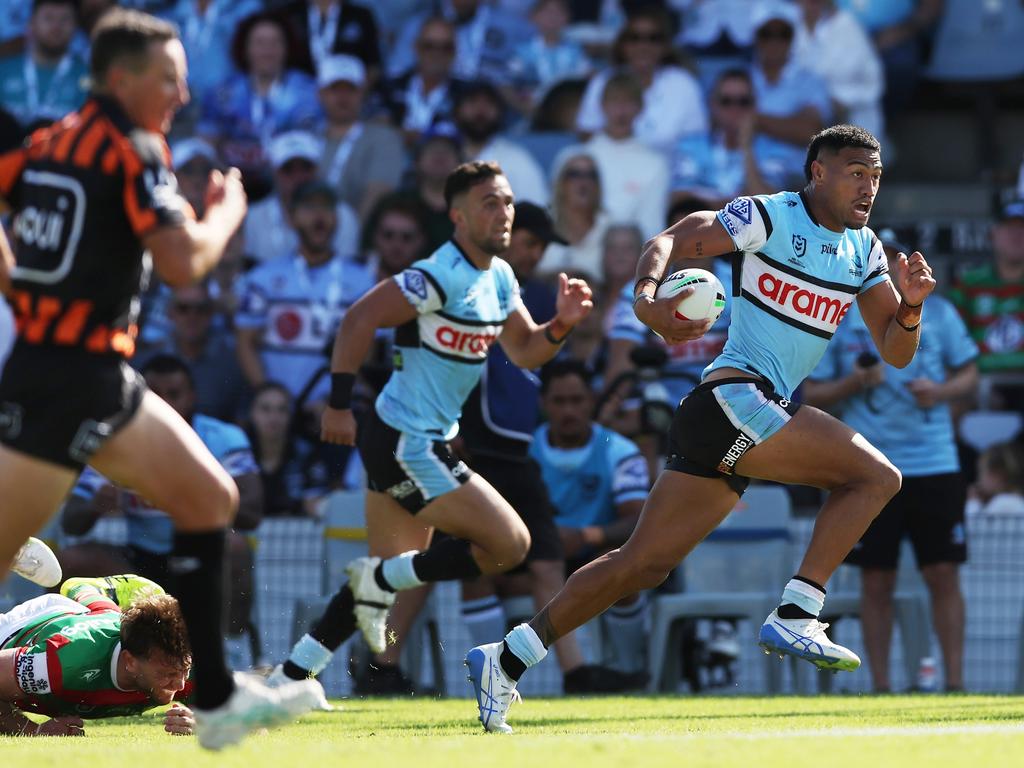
column 927, row 675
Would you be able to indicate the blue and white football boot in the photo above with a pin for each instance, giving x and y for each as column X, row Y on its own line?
column 495, row 691
column 805, row 639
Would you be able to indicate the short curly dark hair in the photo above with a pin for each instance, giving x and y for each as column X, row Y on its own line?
column 836, row 138
column 155, row 623
column 469, row 175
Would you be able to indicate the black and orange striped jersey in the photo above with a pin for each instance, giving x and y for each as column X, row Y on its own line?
column 84, row 192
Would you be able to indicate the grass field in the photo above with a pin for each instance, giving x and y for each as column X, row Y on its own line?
column 784, row 732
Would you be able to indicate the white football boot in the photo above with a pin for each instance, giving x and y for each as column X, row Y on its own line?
column 805, row 639
column 371, row 602
column 253, row 704
column 36, row 562
column 495, row 691
column 277, row 678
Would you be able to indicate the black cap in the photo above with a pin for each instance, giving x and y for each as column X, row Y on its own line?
column 312, row 190
column 536, row 221
column 443, row 130
column 1012, row 210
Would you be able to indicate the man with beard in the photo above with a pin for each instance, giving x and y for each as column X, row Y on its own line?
column 448, row 310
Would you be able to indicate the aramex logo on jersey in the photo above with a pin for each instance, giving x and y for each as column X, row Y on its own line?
column 462, row 341
column 466, row 341
column 815, row 308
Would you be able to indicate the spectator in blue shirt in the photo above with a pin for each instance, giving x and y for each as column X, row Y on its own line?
column 905, row 413
column 266, row 96
column 792, row 103
column 48, row 80
column 548, row 56
column 731, row 159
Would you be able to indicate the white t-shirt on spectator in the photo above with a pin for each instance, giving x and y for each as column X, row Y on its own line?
column 521, row 170
column 268, row 234
column 673, row 107
column 634, row 181
column 840, row 52
column 585, row 257
column 1000, row 504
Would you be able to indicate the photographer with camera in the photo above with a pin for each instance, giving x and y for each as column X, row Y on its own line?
column 905, row 413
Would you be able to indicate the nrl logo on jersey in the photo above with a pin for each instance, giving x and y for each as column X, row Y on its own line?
column 799, row 247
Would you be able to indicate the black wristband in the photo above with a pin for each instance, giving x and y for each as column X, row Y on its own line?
column 551, row 337
column 909, row 328
column 341, row 391
column 911, row 306
column 646, row 279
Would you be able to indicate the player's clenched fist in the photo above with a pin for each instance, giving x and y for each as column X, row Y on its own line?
column 338, row 426
column 913, row 277
column 179, row 720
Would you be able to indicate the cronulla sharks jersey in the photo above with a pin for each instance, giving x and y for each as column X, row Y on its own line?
column 793, row 282
column 439, row 356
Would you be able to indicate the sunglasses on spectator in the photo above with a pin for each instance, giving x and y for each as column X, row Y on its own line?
column 644, row 37
column 580, row 173
column 402, row 235
column 193, row 307
column 775, row 33
column 736, row 101
column 443, row 46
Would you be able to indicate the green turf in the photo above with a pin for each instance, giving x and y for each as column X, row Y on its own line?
column 784, row 732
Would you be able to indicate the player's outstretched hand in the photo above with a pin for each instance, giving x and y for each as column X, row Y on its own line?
column 61, row 726
column 179, row 720
column 573, row 301
column 913, row 277
column 660, row 316
column 338, row 427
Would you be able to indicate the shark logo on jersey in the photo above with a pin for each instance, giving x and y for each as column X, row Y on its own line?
column 740, row 208
column 858, row 267
column 415, row 283
column 799, row 245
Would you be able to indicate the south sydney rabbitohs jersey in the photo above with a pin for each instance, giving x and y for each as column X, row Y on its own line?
column 793, row 282
column 439, row 356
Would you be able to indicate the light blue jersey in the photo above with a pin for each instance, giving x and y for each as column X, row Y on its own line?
column 150, row 529
column 686, row 361
column 919, row 441
column 703, row 165
column 440, row 355
column 793, row 282
column 298, row 309
column 586, row 484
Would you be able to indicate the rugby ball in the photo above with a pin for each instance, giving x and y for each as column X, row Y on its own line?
column 707, row 302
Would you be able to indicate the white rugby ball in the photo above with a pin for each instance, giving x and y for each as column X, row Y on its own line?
column 707, row 302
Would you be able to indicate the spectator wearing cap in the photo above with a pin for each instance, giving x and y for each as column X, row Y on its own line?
column 204, row 26
column 290, row 306
column 991, row 301
column 194, row 159
column 437, row 153
column 673, row 105
column 294, row 156
column 580, row 219
column 831, row 43
column 792, row 103
column 479, row 115
column 423, row 96
column 268, row 95
column 486, row 38
column 330, row 27
column 731, row 159
column 906, row 414
column 361, row 160
column 634, row 177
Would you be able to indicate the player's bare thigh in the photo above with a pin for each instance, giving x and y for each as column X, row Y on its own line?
column 31, row 490
column 816, row 449
column 159, row 456
column 391, row 529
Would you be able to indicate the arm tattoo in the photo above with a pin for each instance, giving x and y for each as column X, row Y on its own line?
column 541, row 624
column 699, row 248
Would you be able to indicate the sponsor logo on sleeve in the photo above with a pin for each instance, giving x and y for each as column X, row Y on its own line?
column 32, row 673
column 416, row 284
column 740, row 208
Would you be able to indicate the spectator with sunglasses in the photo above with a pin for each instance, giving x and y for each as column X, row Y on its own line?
column 731, row 159
column 905, row 413
column 673, row 105
column 792, row 103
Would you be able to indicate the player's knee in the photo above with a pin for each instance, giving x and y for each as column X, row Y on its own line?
column 888, row 479
column 645, row 572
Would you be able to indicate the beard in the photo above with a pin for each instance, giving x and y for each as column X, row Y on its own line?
column 479, row 130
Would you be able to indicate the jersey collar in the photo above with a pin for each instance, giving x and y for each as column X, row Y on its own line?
column 464, row 255
column 113, row 110
column 807, row 209
column 113, row 666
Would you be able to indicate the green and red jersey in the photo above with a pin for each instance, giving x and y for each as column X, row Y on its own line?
column 993, row 310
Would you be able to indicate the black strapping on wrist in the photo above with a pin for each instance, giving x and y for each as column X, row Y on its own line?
column 551, row 337
column 341, row 391
column 645, row 279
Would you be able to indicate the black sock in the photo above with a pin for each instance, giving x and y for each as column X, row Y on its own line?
column 794, row 611
column 198, row 580
column 338, row 622
column 378, row 576
column 511, row 663
column 448, row 560
column 293, row 671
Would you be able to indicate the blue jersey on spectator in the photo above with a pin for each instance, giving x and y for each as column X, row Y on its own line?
column 31, row 92
column 537, row 64
column 152, row 530
column 919, row 441
column 793, row 282
column 687, row 361
column 298, row 308
column 796, row 89
column 440, row 355
column 705, row 166
column 207, row 39
column 586, row 484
